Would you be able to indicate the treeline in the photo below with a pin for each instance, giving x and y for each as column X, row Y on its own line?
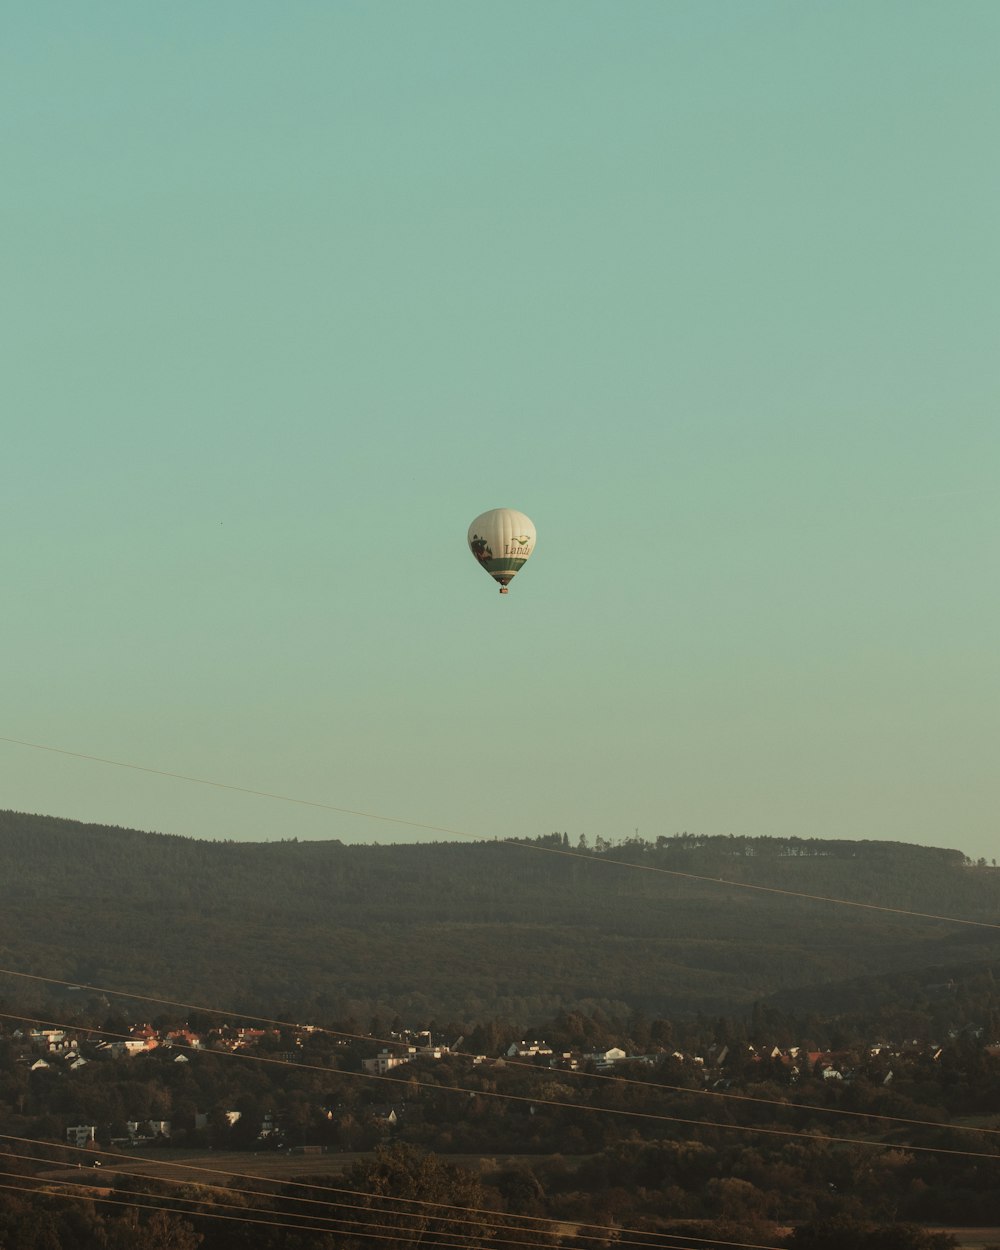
column 764, row 846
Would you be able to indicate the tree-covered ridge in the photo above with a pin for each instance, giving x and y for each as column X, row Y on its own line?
column 476, row 929
column 719, row 989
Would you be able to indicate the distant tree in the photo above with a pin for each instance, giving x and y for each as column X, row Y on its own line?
column 162, row 1230
column 840, row 1232
column 434, row 1196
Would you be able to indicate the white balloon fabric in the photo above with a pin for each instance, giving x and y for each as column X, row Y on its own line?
column 501, row 540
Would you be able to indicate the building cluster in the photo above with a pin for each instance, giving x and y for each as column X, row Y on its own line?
column 67, row 1045
column 720, row 1067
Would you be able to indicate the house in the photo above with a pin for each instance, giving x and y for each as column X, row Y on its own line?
column 606, row 1058
column 247, row 1038
column 146, row 1130
column 528, row 1050
column 131, row 1046
column 385, row 1061
column 388, row 1115
column 183, row 1037
column 80, row 1134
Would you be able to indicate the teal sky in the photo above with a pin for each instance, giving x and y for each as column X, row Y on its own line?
column 711, row 291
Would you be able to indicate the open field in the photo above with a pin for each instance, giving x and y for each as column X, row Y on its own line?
column 209, row 1167
column 216, row 1168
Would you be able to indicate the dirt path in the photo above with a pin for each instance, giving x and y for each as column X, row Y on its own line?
column 972, row 1238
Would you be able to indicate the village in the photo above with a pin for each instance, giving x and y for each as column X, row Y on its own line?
column 47, row 1053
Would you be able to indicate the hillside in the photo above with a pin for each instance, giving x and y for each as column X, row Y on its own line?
column 473, row 930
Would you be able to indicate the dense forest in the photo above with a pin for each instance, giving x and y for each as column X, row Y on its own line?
column 804, row 1073
column 517, row 929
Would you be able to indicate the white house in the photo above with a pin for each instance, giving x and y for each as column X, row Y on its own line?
column 606, row 1058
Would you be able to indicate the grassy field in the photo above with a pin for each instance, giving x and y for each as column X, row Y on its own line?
column 217, row 1168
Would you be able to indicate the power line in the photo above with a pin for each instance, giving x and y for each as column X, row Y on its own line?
column 623, row 1235
column 223, row 785
column 115, row 1168
column 530, row 846
column 212, row 1215
column 722, row 1095
column 346, row 1225
column 603, row 859
column 547, row 1102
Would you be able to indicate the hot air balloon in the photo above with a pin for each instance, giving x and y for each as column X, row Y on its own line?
column 501, row 540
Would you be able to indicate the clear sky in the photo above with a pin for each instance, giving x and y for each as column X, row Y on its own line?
column 711, row 291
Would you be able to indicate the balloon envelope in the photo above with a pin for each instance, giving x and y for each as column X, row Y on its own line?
column 501, row 540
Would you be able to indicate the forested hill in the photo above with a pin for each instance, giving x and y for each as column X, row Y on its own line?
column 474, row 930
